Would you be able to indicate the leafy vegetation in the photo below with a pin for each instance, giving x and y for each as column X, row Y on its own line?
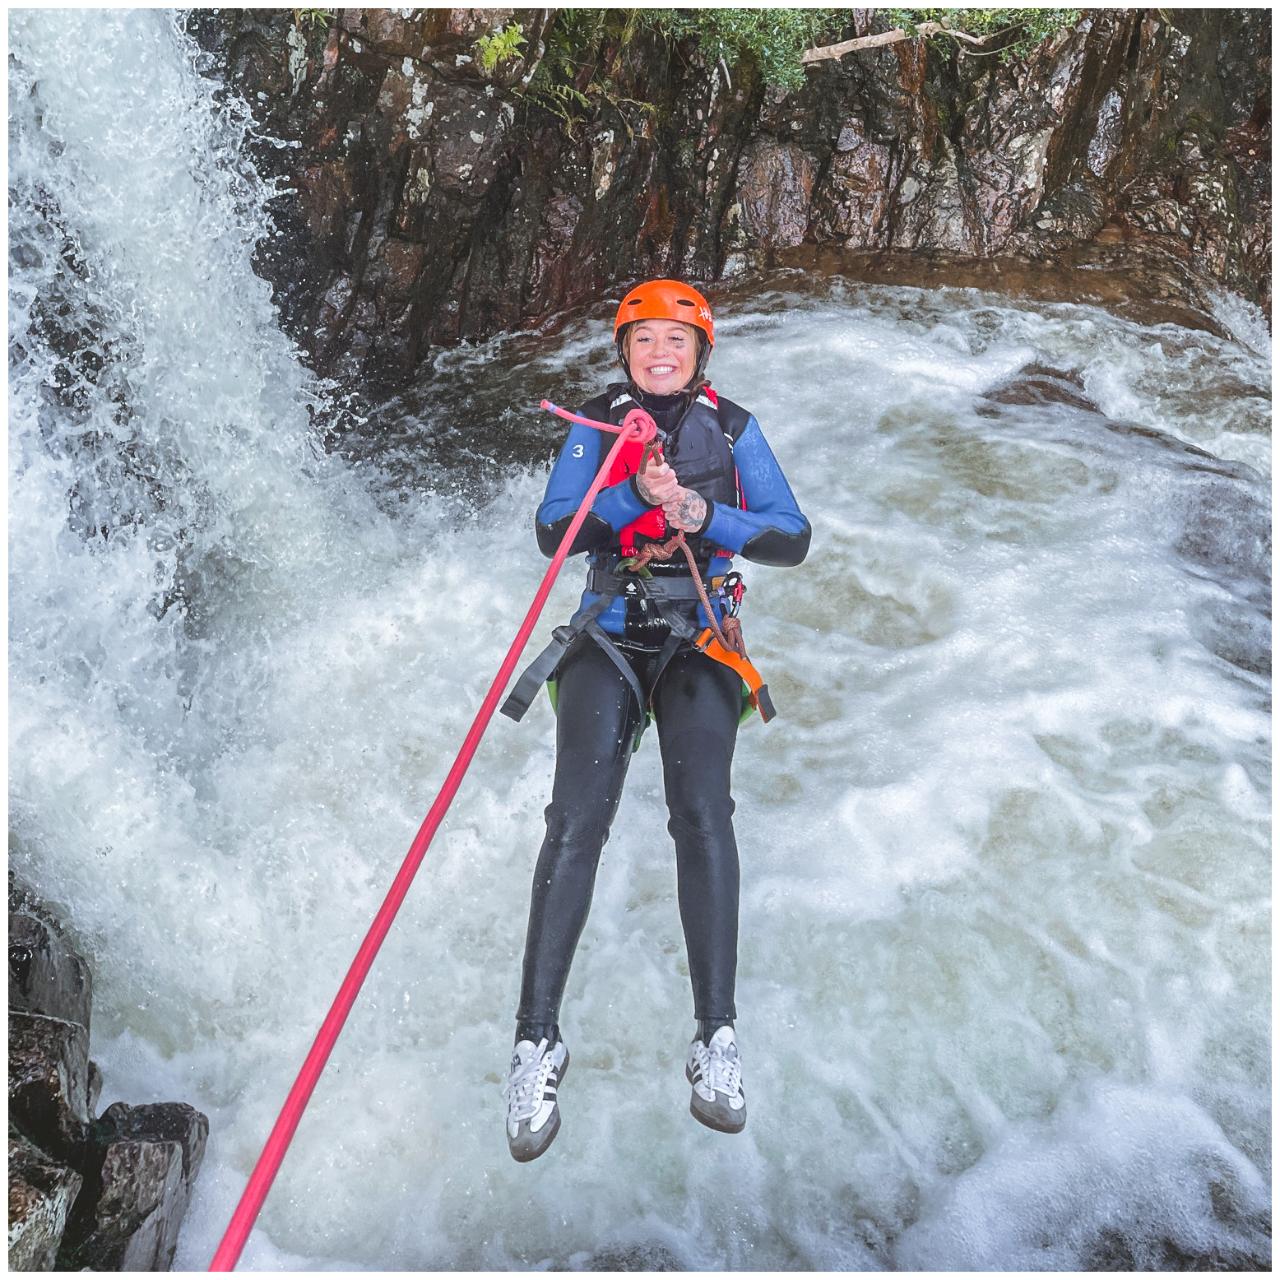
column 563, row 101
column 1013, row 33
column 580, row 64
column 771, row 39
column 500, row 46
column 313, row 17
column 584, row 48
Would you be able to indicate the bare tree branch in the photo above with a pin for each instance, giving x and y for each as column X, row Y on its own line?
column 895, row 36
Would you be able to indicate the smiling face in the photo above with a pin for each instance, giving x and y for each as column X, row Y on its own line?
column 662, row 355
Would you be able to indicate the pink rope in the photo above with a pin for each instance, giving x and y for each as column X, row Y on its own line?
column 637, row 426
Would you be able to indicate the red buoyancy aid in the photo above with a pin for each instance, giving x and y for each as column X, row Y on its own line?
column 652, row 525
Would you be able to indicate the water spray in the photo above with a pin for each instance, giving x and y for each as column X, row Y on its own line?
column 639, row 427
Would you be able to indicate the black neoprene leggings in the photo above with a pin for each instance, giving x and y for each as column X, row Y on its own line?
column 696, row 708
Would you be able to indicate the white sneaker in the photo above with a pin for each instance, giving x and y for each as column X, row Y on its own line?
column 715, row 1071
column 533, row 1111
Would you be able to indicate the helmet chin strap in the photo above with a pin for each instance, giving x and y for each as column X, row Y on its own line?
column 704, row 354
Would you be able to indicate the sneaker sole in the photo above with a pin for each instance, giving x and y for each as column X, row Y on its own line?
column 548, row 1135
column 713, row 1119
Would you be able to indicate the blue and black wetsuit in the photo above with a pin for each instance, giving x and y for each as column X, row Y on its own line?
column 718, row 450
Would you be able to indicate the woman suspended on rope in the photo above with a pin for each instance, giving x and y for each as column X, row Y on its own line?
column 651, row 640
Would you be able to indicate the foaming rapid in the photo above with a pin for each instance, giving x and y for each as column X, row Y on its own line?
column 1004, row 967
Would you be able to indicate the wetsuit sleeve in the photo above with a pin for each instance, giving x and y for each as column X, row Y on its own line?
column 615, row 507
column 772, row 530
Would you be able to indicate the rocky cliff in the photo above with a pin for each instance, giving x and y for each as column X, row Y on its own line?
column 431, row 201
column 104, row 1194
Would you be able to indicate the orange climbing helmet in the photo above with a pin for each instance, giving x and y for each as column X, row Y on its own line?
column 666, row 300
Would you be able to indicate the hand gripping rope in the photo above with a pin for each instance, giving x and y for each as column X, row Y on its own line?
column 637, row 425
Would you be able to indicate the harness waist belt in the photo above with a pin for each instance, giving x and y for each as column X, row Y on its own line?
column 607, row 587
column 677, row 586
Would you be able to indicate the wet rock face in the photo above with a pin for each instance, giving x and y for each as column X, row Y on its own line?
column 854, row 202
column 105, row 1194
column 44, row 973
column 49, row 1082
column 144, row 1162
column 41, row 1193
column 1204, row 92
column 437, row 202
column 775, row 189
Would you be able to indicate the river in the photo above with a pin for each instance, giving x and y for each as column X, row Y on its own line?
column 1004, row 983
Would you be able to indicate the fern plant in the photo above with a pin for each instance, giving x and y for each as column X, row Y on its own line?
column 771, row 39
column 500, row 46
column 563, row 101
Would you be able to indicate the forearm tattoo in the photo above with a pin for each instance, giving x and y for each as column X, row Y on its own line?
column 688, row 511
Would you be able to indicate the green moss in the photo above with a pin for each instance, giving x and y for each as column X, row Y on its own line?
column 771, row 40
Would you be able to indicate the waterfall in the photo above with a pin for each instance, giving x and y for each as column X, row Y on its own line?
column 1004, row 979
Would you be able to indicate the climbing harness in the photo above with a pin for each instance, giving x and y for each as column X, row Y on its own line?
column 721, row 641
column 637, row 426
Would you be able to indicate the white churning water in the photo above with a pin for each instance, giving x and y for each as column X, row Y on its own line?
column 1004, row 980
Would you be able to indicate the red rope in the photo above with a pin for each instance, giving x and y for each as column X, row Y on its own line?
column 637, row 426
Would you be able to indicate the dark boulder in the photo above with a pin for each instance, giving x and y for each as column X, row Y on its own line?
column 45, row 973
column 108, row 1194
column 144, row 1162
column 41, row 1193
column 636, row 1257
column 49, row 1082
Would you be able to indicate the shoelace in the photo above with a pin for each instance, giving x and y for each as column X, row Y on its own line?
column 721, row 1072
column 523, row 1090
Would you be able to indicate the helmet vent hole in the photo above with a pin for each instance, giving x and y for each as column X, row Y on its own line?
column 683, row 302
